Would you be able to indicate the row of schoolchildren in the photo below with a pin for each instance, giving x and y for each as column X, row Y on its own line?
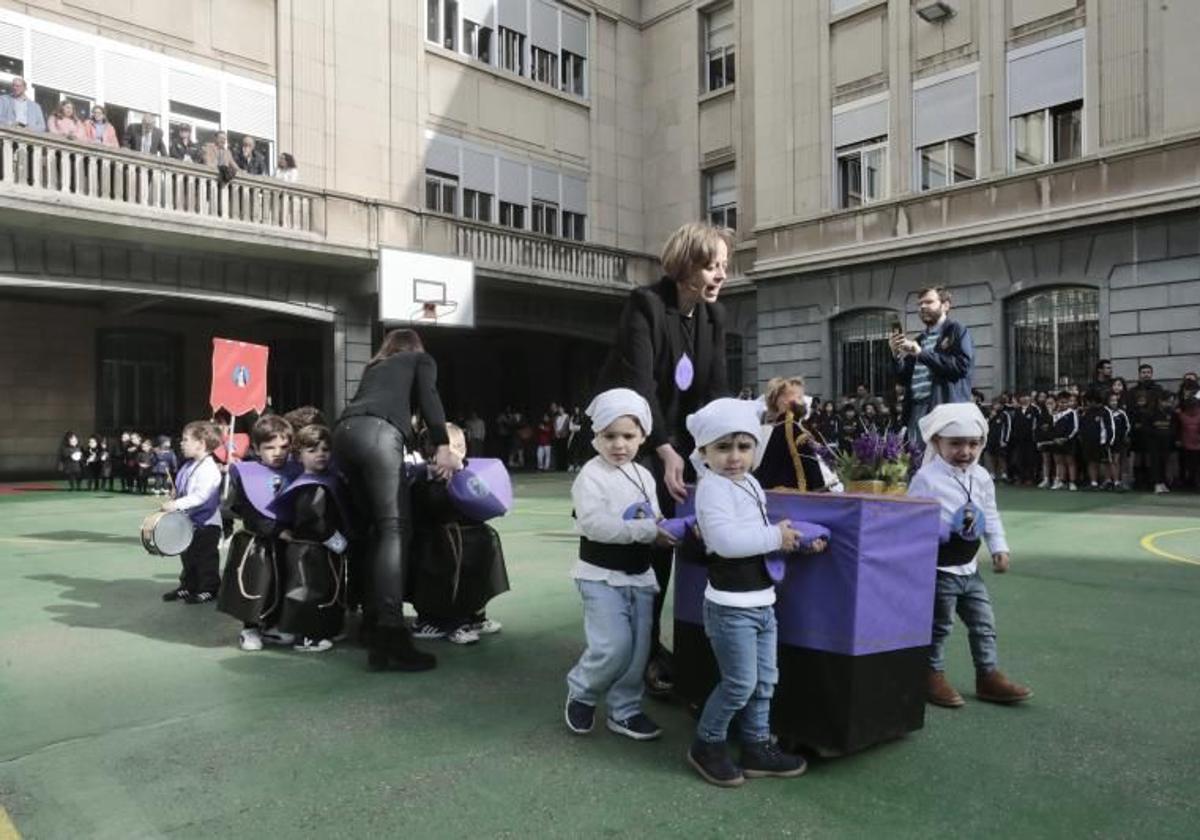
column 140, row 465
column 1059, row 441
column 290, row 574
column 619, row 519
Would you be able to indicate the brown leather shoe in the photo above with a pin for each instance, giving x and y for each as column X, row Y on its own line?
column 941, row 693
column 997, row 688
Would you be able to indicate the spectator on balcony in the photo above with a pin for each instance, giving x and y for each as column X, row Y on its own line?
column 146, row 137
column 249, row 159
column 286, row 169
column 64, row 123
column 18, row 111
column 182, row 147
column 219, row 155
column 99, row 130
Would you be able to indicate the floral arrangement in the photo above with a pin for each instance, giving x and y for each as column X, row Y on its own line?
column 883, row 457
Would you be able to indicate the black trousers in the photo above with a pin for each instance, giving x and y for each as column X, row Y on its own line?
column 370, row 453
column 202, row 562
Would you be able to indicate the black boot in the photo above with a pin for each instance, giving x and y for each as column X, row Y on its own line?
column 392, row 649
column 713, row 763
column 765, row 758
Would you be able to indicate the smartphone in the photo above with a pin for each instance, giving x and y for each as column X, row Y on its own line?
column 896, row 328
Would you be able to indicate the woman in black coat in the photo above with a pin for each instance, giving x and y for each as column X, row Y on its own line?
column 670, row 348
column 369, row 442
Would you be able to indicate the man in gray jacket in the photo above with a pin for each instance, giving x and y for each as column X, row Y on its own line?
column 17, row 110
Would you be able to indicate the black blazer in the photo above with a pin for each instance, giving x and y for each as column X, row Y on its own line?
column 133, row 140
column 649, row 342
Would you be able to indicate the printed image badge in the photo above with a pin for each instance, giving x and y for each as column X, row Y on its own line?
column 967, row 522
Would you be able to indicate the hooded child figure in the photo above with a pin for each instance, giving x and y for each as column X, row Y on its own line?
column 70, row 461
column 739, row 614
column 954, row 435
column 617, row 516
column 250, row 588
column 312, row 573
column 198, row 494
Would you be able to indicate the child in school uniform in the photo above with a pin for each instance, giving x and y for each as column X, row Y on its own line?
column 106, row 465
column 144, row 460
column 1119, row 435
column 954, row 435
column 91, row 463
column 1066, row 438
column 1022, row 457
column 198, row 494
column 165, row 466
column 1043, row 436
column 250, row 588
column 1094, row 437
column 70, row 461
column 616, row 515
column 739, row 615
column 999, row 430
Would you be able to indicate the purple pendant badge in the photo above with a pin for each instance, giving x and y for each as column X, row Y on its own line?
column 684, row 373
column 776, row 566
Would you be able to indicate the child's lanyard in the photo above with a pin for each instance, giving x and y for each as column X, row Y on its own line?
column 638, row 484
column 966, row 488
column 753, row 494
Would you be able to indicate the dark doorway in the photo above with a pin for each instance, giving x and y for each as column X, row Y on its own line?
column 138, row 382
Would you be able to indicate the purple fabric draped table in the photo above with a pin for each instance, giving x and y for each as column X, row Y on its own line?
column 854, row 621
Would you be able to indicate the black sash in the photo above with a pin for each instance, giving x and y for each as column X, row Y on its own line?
column 630, row 558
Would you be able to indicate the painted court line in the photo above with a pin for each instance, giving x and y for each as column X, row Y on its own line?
column 1149, row 540
column 8, row 831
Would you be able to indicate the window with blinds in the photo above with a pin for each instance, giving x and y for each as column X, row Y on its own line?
column 720, row 194
column 718, row 27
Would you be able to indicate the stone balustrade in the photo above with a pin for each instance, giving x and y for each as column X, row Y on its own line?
column 519, row 252
column 52, row 166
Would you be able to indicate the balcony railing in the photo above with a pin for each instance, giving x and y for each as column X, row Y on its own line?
column 47, row 165
column 518, row 252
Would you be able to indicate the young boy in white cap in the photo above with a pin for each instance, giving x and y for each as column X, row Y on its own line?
column 739, row 615
column 617, row 514
column 954, row 435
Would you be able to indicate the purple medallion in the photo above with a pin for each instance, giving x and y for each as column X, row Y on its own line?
column 684, row 373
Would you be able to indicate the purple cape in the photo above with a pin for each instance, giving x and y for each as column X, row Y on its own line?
column 261, row 484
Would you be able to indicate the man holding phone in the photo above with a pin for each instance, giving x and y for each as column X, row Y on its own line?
column 935, row 367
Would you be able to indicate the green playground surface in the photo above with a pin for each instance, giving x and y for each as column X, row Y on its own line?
column 124, row 717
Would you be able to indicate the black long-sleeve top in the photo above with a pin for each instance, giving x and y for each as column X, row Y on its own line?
column 651, row 337
column 389, row 389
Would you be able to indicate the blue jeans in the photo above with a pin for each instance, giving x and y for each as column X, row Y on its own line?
column 743, row 640
column 966, row 595
column 616, row 621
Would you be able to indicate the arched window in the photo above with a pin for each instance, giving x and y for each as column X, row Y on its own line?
column 1053, row 337
column 861, row 355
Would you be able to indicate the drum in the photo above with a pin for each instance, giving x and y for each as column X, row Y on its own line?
column 167, row 534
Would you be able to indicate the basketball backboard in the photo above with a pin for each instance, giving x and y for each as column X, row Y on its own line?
column 417, row 288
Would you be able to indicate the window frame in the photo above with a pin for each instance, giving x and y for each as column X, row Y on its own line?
column 543, row 217
column 859, row 150
column 951, row 169
column 480, row 204
column 1049, row 134
column 472, row 36
column 510, row 43
column 570, row 60
column 535, row 71
column 444, row 181
column 712, row 210
column 726, row 55
column 574, row 225
column 511, row 208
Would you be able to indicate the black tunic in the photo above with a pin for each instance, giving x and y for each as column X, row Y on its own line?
column 250, row 581
column 778, row 466
column 311, row 576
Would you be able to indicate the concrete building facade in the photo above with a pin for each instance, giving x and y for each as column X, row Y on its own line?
column 1040, row 157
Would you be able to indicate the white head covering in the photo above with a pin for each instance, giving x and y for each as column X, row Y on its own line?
column 721, row 417
column 619, row 402
column 952, row 420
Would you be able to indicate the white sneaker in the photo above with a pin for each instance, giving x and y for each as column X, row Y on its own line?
column 1161, row 488
column 1057, row 485
column 307, row 645
column 1043, row 484
column 428, row 631
column 486, row 627
column 1072, row 486
column 275, row 636
column 249, row 639
column 462, row 636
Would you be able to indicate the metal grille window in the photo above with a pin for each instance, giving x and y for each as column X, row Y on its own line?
column 441, row 192
column 861, row 353
column 512, row 51
column 1053, row 337
column 512, row 215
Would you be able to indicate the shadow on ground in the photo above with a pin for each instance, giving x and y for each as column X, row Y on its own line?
column 84, row 537
column 134, row 606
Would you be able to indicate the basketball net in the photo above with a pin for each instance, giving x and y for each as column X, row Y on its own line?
column 429, row 311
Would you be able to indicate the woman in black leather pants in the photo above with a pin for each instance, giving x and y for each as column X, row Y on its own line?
column 369, row 442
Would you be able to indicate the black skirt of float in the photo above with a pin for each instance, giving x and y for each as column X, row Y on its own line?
column 249, row 582
column 830, row 704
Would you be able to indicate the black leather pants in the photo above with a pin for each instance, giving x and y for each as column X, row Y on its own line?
column 370, row 453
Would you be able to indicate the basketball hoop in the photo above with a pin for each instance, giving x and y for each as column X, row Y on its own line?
column 429, row 311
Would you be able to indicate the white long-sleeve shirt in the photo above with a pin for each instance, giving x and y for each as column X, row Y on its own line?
column 948, row 486
column 203, row 484
column 601, row 494
column 731, row 524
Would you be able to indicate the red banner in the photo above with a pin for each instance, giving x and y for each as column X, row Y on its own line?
column 239, row 376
